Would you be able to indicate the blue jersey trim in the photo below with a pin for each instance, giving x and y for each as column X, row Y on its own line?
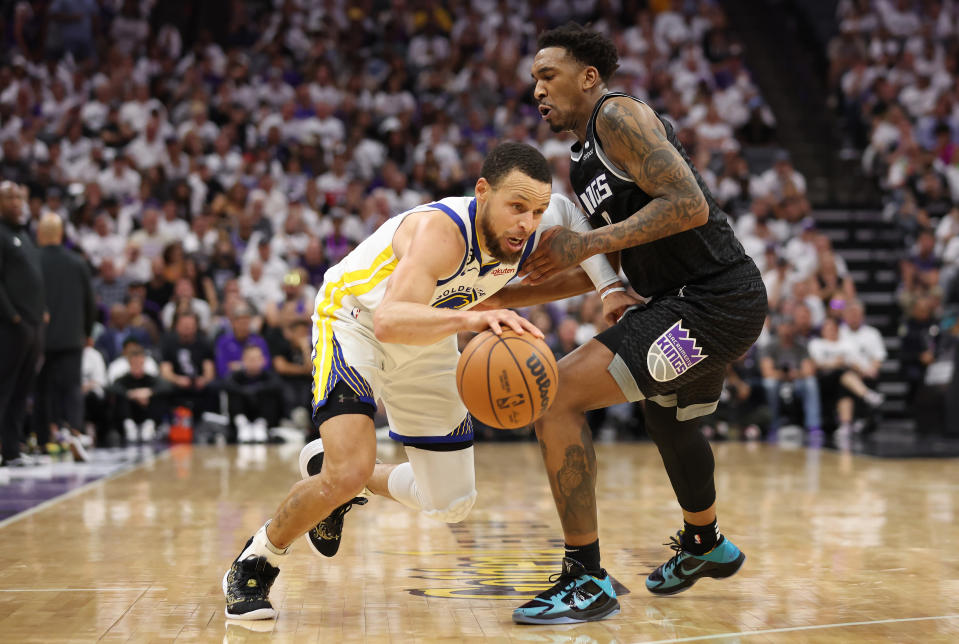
column 526, row 252
column 462, row 433
column 341, row 371
column 486, row 268
column 476, row 249
column 459, row 222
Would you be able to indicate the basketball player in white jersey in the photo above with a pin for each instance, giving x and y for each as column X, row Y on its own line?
column 385, row 326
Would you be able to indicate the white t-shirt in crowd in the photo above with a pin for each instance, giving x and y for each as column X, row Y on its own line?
column 825, row 352
column 866, row 344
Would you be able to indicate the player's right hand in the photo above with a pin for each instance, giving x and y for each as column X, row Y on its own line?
column 496, row 319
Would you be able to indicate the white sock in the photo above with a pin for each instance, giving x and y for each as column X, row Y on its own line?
column 261, row 547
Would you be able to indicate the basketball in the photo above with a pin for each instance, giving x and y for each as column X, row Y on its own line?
column 507, row 381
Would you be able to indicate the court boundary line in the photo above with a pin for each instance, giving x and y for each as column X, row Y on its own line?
column 83, row 488
column 811, row 627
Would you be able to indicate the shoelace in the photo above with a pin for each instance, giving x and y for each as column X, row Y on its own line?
column 567, row 576
column 331, row 526
column 677, row 547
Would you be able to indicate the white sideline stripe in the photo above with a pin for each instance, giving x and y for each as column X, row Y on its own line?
column 814, row 627
column 83, row 488
column 138, row 589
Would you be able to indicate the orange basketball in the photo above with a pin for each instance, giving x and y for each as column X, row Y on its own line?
column 507, row 381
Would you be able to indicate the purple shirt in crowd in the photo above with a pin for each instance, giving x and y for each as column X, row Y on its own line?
column 230, row 349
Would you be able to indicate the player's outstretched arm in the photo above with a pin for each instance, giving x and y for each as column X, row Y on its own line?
column 430, row 248
column 632, row 138
column 599, row 271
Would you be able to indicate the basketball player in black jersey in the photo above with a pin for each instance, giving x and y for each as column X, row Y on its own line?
column 648, row 204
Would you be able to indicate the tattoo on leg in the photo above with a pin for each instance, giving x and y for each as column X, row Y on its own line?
column 576, row 486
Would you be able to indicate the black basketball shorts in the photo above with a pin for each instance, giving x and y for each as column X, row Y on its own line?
column 674, row 351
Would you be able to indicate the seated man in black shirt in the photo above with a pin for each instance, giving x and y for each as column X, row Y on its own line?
column 137, row 399
column 256, row 397
column 187, row 365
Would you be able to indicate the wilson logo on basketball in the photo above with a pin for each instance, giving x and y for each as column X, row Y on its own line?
column 542, row 379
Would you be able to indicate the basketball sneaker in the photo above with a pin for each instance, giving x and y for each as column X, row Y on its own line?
column 324, row 537
column 577, row 596
column 684, row 568
column 246, row 586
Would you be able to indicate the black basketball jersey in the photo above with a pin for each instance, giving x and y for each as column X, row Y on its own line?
column 609, row 196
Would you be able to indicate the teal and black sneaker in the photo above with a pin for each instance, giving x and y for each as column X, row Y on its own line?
column 577, row 596
column 685, row 568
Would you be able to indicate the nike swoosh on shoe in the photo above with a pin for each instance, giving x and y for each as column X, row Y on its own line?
column 692, row 571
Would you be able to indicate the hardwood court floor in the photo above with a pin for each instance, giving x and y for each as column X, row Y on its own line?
column 840, row 548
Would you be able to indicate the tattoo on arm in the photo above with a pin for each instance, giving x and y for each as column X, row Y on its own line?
column 633, row 138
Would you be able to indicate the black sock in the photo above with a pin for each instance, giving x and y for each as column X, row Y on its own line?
column 587, row 555
column 700, row 539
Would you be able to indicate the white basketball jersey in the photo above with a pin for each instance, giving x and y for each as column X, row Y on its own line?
column 356, row 285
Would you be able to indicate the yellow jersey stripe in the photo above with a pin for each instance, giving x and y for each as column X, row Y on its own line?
column 356, row 282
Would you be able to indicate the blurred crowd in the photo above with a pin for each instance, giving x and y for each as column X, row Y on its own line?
column 893, row 69
column 209, row 163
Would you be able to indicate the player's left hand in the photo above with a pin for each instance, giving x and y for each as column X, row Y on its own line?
column 558, row 249
column 616, row 304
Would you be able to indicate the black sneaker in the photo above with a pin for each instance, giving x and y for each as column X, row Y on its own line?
column 577, row 596
column 324, row 537
column 246, row 586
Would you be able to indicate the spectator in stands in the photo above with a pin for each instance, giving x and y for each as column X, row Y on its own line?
column 102, row 242
column 565, row 338
column 184, row 297
column 296, row 302
column 868, row 349
column 121, row 365
column 840, row 385
column 230, row 345
column 743, row 403
column 788, row 374
column 920, row 272
column 832, row 284
column 314, row 262
column 111, row 340
column 187, row 364
column 255, row 395
column 109, row 286
column 140, row 321
column 917, row 349
column 137, row 393
column 292, row 349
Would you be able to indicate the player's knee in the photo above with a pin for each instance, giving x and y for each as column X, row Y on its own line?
column 454, row 511
column 348, row 478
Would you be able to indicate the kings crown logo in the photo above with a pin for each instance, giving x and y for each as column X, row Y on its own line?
column 673, row 353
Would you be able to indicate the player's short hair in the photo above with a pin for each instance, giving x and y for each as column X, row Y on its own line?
column 512, row 155
column 588, row 47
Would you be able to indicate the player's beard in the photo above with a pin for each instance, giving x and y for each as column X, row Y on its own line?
column 494, row 246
